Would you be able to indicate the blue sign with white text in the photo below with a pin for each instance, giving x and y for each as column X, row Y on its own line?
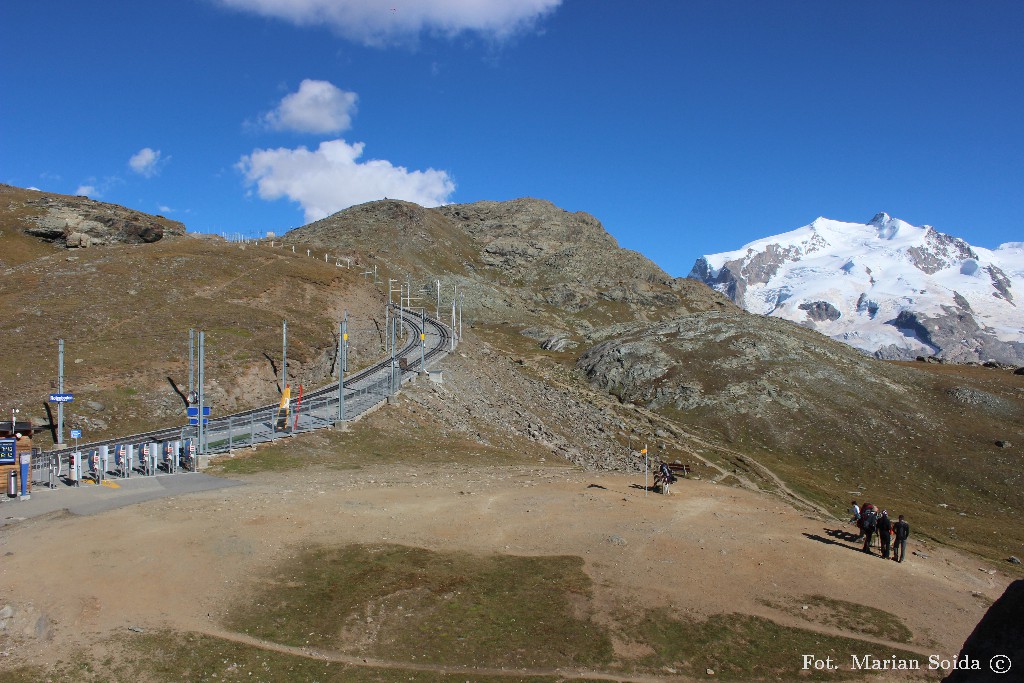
column 8, row 451
column 76, row 433
column 62, row 398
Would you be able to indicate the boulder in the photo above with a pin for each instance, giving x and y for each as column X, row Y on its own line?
column 78, row 240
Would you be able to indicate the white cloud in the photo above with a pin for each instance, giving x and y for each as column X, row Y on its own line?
column 317, row 107
column 376, row 22
column 145, row 162
column 87, row 191
column 330, row 178
column 165, row 209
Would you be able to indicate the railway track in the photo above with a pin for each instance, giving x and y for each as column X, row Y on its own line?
column 368, row 381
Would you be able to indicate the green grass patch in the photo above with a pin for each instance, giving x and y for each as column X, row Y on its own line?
column 172, row 657
column 848, row 616
column 743, row 648
column 417, row 605
column 384, row 438
column 276, row 457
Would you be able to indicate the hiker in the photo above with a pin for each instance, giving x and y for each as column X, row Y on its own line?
column 666, row 477
column 901, row 531
column 855, row 510
column 867, row 525
column 884, row 527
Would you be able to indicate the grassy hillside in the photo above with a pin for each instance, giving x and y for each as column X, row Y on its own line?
column 124, row 313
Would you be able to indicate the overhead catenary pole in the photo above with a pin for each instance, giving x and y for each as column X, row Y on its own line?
column 191, row 362
column 344, row 355
column 60, row 390
column 342, row 364
column 284, row 355
column 394, row 325
column 200, row 427
column 391, row 301
column 423, row 340
column 401, row 308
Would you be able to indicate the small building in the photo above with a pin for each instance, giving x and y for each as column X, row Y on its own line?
column 21, row 432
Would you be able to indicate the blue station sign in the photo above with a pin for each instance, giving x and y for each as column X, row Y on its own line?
column 62, row 398
column 8, row 451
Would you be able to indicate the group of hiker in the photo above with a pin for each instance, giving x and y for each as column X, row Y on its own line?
column 871, row 522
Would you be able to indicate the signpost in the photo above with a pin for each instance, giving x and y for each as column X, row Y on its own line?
column 193, row 415
column 647, row 469
column 61, row 398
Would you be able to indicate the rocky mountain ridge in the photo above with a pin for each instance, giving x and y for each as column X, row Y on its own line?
column 80, row 222
column 523, row 260
column 886, row 287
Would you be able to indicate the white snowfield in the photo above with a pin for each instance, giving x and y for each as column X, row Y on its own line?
column 852, row 282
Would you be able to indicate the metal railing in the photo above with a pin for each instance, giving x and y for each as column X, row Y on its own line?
column 317, row 410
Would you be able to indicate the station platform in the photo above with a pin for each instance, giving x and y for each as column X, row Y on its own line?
column 91, row 499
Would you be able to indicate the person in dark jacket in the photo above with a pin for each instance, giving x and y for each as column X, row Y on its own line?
column 667, row 477
column 884, row 528
column 867, row 525
column 902, row 532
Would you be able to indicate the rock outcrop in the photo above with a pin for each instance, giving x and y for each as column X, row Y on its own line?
column 80, row 222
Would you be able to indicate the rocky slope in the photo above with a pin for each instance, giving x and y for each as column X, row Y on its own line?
column 887, row 287
column 525, row 261
column 78, row 222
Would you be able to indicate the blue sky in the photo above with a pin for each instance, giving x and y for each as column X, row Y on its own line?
column 686, row 127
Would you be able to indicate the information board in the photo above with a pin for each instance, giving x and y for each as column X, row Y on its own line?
column 8, row 450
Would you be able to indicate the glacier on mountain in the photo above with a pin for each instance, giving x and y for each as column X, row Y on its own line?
column 887, row 287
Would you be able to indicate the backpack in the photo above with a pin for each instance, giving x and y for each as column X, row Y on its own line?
column 868, row 519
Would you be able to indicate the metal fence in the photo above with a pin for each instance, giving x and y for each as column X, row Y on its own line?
column 244, row 429
column 229, row 433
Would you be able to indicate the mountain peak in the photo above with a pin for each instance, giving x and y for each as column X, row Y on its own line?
column 873, row 286
column 887, row 226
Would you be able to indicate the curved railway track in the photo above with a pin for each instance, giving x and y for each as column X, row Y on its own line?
column 433, row 330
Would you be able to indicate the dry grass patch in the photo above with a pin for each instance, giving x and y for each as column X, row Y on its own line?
column 417, row 605
column 848, row 616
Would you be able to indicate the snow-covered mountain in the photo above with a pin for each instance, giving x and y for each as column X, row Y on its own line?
column 890, row 288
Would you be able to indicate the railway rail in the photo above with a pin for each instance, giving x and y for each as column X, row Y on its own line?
column 319, row 408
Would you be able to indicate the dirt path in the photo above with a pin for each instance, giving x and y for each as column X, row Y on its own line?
column 330, row 656
column 707, row 549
